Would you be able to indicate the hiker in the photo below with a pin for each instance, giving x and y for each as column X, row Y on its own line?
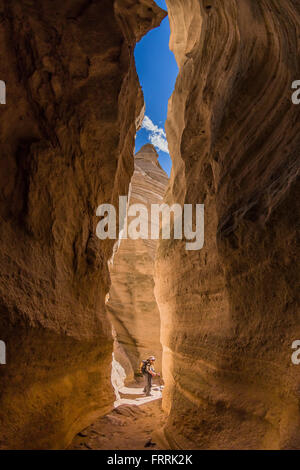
column 148, row 371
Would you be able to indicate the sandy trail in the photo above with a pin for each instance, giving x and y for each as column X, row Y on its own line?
column 128, row 427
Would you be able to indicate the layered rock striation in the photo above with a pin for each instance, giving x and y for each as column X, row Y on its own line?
column 230, row 312
column 67, row 138
column 132, row 306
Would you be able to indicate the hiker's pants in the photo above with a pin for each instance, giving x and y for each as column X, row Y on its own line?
column 147, row 383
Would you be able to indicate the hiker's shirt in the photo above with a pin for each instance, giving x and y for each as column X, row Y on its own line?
column 150, row 369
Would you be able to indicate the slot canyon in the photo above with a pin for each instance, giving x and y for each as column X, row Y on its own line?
column 220, row 320
column 132, row 307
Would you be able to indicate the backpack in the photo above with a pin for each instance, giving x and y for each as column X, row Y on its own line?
column 143, row 366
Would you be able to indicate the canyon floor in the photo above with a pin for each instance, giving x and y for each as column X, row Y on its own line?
column 128, row 427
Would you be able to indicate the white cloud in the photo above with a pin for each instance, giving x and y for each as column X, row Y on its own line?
column 159, row 142
column 157, row 135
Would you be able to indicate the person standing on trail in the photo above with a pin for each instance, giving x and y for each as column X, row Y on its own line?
column 148, row 371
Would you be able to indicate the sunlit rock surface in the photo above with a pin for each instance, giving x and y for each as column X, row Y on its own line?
column 231, row 311
column 121, row 357
column 118, row 376
column 132, row 306
column 67, row 138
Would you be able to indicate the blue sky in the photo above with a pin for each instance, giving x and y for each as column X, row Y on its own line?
column 157, row 70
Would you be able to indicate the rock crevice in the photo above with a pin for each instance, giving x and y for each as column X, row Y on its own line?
column 132, row 306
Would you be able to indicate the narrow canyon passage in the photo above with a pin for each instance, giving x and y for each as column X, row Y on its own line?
column 134, row 315
column 221, row 320
column 131, row 305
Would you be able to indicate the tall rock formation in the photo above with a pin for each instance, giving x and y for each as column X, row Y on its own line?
column 132, row 306
column 230, row 312
column 67, row 138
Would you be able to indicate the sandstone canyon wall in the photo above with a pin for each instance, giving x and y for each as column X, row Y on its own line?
column 132, row 306
column 230, row 312
column 67, row 138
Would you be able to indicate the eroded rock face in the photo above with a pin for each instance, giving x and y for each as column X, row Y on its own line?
column 67, row 137
column 132, row 306
column 231, row 311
